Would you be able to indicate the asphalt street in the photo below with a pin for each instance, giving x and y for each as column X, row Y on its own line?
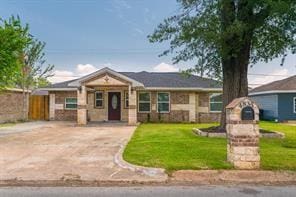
column 168, row 191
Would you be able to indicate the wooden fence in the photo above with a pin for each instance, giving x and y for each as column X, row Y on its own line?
column 39, row 107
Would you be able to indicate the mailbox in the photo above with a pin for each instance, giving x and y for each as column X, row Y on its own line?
column 242, row 116
column 247, row 113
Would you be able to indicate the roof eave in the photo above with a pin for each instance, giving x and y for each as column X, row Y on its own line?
column 58, row 89
column 271, row 92
column 185, row 89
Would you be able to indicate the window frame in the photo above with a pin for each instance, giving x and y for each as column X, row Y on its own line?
column 126, row 99
column 66, row 108
column 214, row 102
column 102, row 99
column 294, row 105
column 169, row 102
column 144, row 102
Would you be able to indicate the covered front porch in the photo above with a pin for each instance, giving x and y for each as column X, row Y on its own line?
column 107, row 96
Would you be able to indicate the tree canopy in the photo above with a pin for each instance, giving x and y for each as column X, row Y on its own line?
column 13, row 39
column 21, row 56
column 33, row 72
column 206, row 31
column 225, row 37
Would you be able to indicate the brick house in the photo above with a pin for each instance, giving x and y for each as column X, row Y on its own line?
column 107, row 95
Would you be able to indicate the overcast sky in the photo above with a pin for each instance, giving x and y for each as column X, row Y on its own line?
column 85, row 35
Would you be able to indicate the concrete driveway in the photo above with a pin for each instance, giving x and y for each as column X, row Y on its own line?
column 62, row 151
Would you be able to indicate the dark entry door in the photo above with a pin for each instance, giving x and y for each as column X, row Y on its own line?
column 114, row 106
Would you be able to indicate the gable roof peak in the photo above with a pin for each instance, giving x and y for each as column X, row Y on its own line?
column 102, row 71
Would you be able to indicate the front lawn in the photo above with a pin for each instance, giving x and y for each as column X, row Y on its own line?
column 175, row 147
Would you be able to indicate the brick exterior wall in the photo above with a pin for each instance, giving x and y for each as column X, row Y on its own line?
column 179, row 97
column 182, row 115
column 64, row 114
column 11, row 107
column 173, row 115
column 208, row 117
column 204, row 99
column 179, row 113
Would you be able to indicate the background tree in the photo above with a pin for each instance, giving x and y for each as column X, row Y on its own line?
column 34, row 73
column 234, row 33
column 22, row 61
column 13, row 39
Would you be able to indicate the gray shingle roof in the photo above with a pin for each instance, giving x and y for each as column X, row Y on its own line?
column 281, row 85
column 164, row 80
column 63, row 84
column 171, row 79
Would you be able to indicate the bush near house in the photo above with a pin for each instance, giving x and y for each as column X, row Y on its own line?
column 176, row 147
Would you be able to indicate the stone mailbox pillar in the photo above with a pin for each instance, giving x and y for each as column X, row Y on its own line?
column 242, row 117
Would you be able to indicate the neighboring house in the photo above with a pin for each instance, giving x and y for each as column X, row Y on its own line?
column 107, row 95
column 277, row 100
column 11, row 105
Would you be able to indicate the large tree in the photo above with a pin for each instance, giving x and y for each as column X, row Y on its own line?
column 225, row 37
column 13, row 39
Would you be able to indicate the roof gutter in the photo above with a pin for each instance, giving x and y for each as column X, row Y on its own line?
column 58, row 89
column 271, row 92
column 148, row 88
column 185, row 89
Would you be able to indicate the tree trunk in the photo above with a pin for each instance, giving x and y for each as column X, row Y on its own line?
column 25, row 111
column 235, row 83
column 236, row 49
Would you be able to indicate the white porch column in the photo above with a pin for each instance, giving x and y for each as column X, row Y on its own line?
column 132, row 109
column 51, row 106
column 192, row 111
column 81, row 106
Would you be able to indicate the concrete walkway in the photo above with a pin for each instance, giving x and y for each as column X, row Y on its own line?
column 59, row 152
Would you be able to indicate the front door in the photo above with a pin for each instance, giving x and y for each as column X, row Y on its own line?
column 114, row 106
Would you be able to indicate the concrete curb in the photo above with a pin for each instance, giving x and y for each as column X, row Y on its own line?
column 157, row 173
column 208, row 134
column 219, row 177
column 179, row 178
column 275, row 134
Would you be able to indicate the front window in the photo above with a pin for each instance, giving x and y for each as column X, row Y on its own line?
column 294, row 105
column 163, row 102
column 144, row 102
column 71, row 103
column 99, row 99
column 216, row 102
column 126, row 104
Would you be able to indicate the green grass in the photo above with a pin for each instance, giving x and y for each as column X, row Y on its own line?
column 6, row 125
column 278, row 154
column 175, row 147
